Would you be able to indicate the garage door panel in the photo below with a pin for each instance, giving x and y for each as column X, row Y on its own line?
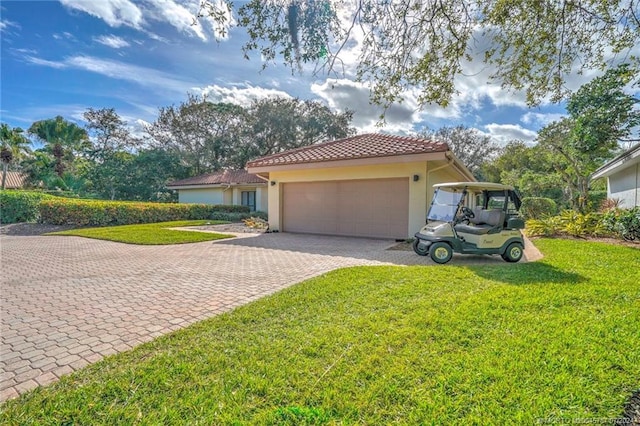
column 372, row 208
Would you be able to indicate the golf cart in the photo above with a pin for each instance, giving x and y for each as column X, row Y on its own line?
column 472, row 218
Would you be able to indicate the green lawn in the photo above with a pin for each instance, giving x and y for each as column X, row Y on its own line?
column 494, row 344
column 149, row 233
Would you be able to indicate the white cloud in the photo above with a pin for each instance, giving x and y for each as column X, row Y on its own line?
column 45, row 63
column 239, row 94
column 179, row 17
column 346, row 94
column 114, row 12
column 6, row 24
column 399, row 118
column 112, row 41
column 182, row 15
column 504, row 133
column 541, row 119
column 146, row 77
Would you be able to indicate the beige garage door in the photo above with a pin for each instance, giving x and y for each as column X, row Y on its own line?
column 365, row 208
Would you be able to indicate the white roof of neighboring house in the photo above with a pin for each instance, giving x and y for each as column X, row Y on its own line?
column 622, row 161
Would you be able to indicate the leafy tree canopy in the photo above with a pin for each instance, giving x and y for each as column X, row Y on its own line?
column 531, row 45
column 469, row 145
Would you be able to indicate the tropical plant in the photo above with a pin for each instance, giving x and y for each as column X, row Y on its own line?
column 63, row 139
column 13, row 147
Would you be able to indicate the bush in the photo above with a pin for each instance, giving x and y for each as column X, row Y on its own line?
column 545, row 227
column 538, row 207
column 624, row 223
column 595, row 199
column 570, row 223
column 105, row 213
column 20, row 206
column 580, row 224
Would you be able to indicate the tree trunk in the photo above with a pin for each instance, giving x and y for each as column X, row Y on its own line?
column 4, row 174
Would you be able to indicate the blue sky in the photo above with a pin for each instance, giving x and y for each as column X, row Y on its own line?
column 62, row 57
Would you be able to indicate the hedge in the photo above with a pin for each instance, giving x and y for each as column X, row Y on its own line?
column 105, row 213
column 20, row 206
column 537, row 207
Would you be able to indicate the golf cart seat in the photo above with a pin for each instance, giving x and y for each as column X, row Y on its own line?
column 484, row 222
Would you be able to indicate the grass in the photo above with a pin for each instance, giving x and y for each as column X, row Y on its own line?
column 149, row 233
column 492, row 344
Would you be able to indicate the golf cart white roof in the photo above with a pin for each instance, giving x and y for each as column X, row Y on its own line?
column 475, row 186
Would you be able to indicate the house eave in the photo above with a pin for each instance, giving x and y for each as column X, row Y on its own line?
column 216, row 185
column 407, row 158
column 625, row 160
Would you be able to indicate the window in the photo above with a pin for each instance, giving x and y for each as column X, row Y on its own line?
column 249, row 199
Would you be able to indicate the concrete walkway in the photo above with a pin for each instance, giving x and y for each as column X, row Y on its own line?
column 67, row 302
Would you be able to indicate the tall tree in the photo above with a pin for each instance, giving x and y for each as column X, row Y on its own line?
column 601, row 113
column 107, row 132
column 62, row 138
column 109, row 150
column 278, row 124
column 528, row 168
column 14, row 146
column 469, row 145
column 604, row 113
column 530, row 44
column 202, row 133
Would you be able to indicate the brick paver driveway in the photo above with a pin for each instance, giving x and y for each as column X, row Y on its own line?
column 69, row 301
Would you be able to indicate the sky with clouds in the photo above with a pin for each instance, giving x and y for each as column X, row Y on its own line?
column 62, row 57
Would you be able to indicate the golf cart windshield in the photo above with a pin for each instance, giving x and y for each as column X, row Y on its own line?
column 445, row 204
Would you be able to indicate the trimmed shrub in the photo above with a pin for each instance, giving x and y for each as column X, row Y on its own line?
column 21, row 206
column 624, row 223
column 538, row 207
column 545, row 227
column 580, row 224
column 105, row 213
column 569, row 222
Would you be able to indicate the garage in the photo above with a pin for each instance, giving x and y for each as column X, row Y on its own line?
column 365, row 208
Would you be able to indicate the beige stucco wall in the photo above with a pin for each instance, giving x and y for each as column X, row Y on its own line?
column 201, row 195
column 220, row 195
column 420, row 192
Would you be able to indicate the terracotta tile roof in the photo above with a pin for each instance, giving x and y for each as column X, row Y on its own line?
column 362, row 146
column 224, row 177
column 15, row 180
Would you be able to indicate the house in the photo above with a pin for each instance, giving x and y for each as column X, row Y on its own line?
column 623, row 177
column 231, row 187
column 371, row 185
column 15, row 180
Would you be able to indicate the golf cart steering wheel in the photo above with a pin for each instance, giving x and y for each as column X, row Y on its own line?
column 468, row 213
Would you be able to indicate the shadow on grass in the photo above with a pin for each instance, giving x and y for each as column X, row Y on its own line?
column 527, row 273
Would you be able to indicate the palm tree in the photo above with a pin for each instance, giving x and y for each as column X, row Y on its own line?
column 62, row 138
column 14, row 146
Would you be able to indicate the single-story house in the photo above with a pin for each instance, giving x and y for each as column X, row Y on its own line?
column 230, row 187
column 371, row 185
column 15, row 180
column 623, row 177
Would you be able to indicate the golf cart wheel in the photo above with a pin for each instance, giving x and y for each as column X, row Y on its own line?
column 420, row 250
column 440, row 252
column 513, row 253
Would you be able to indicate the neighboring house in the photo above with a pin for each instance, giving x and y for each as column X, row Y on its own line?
column 623, row 177
column 370, row 185
column 230, row 187
column 15, row 180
